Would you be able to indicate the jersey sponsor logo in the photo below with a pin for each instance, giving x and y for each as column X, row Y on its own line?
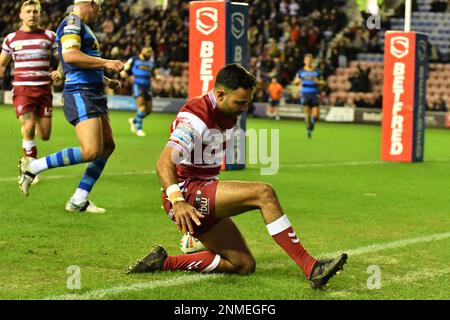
column 206, row 20
column 399, row 46
column 37, row 56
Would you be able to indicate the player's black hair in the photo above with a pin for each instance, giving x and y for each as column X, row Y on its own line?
column 234, row 76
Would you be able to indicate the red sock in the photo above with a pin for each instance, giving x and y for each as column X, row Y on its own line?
column 29, row 149
column 282, row 232
column 205, row 261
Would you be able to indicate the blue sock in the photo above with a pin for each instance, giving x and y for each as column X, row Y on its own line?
column 138, row 119
column 313, row 122
column 64, row 157
column 93, row 171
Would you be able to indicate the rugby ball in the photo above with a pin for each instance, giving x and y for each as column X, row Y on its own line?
column 190, row 244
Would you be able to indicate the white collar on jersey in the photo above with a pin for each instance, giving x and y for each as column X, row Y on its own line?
column 212, row 98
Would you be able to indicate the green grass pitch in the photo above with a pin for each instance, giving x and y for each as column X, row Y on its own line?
column 391, row 217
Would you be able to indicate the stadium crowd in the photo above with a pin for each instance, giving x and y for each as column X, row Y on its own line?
column 280, row 33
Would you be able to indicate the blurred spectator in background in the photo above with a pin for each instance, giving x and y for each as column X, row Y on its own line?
column 274, row 90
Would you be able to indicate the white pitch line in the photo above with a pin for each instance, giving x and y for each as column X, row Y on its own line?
column 349, row 163
column 300, row 165
column 306, row 165
column 100, row 293
column 187, row 279
column 391, row 245
column 65, row 176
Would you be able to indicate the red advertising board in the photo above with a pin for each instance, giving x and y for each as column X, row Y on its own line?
column 403, row 96
column 207, row 44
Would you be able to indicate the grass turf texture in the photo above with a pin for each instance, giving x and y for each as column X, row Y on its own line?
column 336, row 192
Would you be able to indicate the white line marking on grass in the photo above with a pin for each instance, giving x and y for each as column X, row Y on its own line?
column 391, row 245
column 65, row 176
column 190, row 278
column 332, row 164
column 101, row 293
column 293, row 165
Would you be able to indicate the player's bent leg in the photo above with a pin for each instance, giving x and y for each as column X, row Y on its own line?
column 235, row 255
column 308, row 121
column 231, row 256
column 79, row 201
column 28, row 123
column 234, row 197
column 44, row 127
column 90, row 136
column 108, row 140
column 149, row 106
column 314, row 116
column 136, row 124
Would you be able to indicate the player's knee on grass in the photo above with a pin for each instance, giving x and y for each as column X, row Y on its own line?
column 245, row 265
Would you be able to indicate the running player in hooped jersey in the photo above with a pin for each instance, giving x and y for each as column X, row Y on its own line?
column 84, row 105
column 310, row 79
column 32, row 49
column 200, row 204
column 141, row 68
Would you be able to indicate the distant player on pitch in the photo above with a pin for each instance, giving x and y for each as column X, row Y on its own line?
column 141, row 68
column 309, row 78
column 32, row 48
column 84, row 106
column 186, row 179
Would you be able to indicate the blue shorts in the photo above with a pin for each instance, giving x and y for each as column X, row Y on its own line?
column 143, row 91
column 84, row 103
column 309, row 99
column 274, row 103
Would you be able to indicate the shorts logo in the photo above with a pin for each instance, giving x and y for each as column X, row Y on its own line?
column 399, row 46
column 206, row 20
column 237, row 24
column 204, row 206
column 47, row 111
column 19, row 109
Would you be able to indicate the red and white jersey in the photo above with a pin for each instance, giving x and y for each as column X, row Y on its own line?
column 200, row 133
column 31, row 53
